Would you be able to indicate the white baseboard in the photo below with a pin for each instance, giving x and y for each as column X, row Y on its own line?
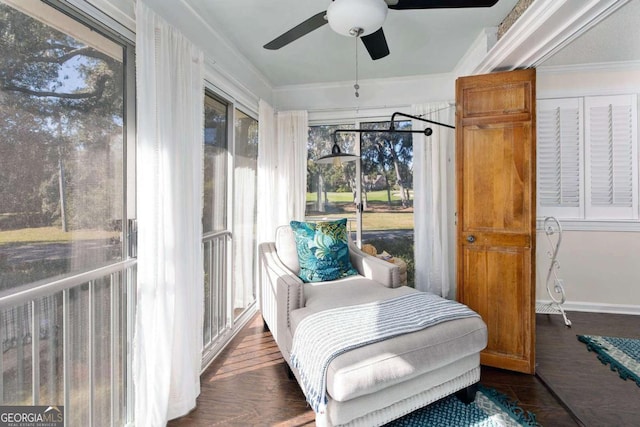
column 598, row 307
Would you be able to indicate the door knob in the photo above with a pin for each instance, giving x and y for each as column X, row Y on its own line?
column 471, row 239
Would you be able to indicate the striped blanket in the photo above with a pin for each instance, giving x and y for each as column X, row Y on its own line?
column 321, row 337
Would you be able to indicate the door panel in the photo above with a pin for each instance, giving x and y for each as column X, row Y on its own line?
column 495, row 275
column 497, row 181
column 495, row 167
column 497, row 101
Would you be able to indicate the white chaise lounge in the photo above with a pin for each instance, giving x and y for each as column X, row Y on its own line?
column 376, row 383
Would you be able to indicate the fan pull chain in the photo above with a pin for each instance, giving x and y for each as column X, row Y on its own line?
column 356, row 86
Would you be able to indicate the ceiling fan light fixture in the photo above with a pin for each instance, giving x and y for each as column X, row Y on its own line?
column 354, row 18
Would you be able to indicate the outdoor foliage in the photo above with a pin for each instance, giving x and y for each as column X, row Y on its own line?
column 387, row 177
column 61, row 109
column 322, row 178
column 389, row 155
column 386, row 161
column 399, row 247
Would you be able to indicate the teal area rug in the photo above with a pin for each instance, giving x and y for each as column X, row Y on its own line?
column 621, row 354
column 490, row 408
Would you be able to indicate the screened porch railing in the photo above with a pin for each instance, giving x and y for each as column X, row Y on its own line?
column 67, row 343
column 216, row 248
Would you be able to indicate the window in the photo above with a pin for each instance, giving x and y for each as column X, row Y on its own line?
column 387, row 159
column 216, row 158
column 330, row 187
column 588, row 158
column 61, row 150
column 63, row 214
column 374, row 193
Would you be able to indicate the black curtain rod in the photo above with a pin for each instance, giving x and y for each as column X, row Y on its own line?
column 397, row 113
column 427, row 131
column 392, row 128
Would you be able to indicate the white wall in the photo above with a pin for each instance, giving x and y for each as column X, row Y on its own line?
column 600, row 270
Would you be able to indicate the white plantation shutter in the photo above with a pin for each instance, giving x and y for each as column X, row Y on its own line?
column 587, row 164
column 560, row 158
column 611, row 157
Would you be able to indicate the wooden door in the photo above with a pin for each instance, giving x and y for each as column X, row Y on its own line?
column 495, row 167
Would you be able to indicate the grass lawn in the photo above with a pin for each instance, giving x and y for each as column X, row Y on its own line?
column 374, row 221
column 51, row 234
column 347, row 197
column 384, row 218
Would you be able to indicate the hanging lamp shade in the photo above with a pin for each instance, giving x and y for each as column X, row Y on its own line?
column 337, row 157
column 356, row 18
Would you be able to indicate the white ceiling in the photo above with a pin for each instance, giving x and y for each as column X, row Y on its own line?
column 421, row 41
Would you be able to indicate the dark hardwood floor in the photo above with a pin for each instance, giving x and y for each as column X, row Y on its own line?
column 247, row 386
column 592, row 392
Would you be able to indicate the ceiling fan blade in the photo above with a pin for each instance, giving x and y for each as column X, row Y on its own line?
column 313, row 23
column 438, row 4
column 376, row 44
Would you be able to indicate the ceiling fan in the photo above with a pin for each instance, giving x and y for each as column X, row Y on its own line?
column 364, row 19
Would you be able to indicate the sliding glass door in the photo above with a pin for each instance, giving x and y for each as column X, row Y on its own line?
column 229, row 220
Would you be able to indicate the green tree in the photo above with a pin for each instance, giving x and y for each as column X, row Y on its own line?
column 390, row 155
column 61, row 105
column 323, row 178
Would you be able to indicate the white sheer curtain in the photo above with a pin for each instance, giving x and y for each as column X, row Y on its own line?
column 431, row 238
column 292, row 133
column 282, row 168
column 268, row 217
column 167, row 346
column 245, row 196
column 244, row 235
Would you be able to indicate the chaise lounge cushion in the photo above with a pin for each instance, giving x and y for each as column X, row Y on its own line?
column 286, row 248
column 376, row 366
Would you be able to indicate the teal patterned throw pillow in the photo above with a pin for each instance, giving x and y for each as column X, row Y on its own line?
column 323, row 251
